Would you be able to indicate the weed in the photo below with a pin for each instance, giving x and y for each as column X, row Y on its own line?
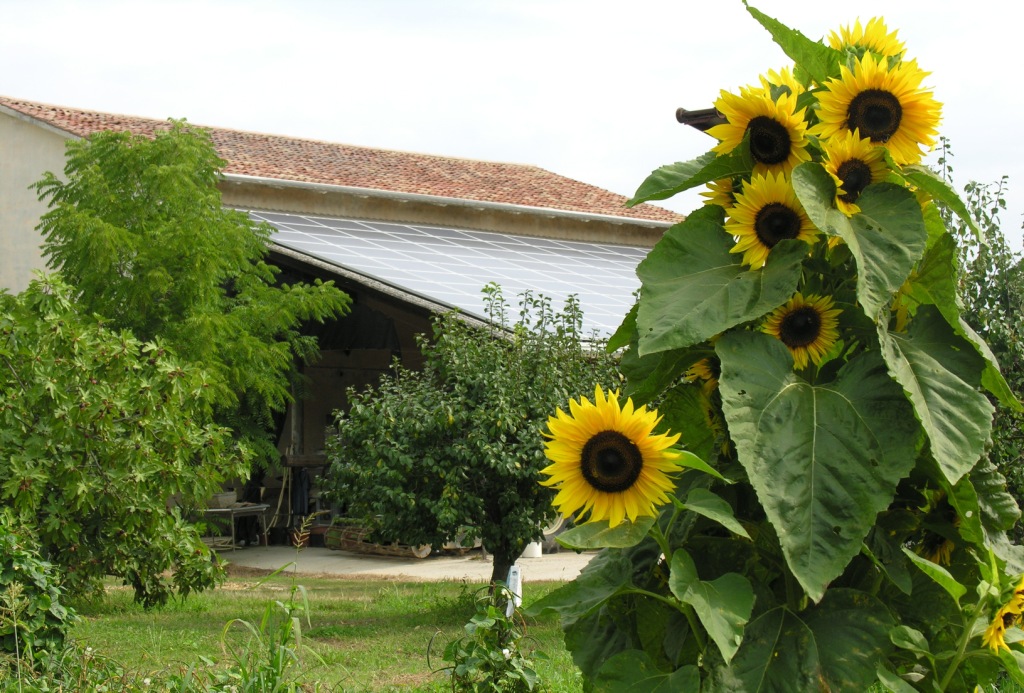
column 494, row 654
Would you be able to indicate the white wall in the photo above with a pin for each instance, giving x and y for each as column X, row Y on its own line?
column 26, row 152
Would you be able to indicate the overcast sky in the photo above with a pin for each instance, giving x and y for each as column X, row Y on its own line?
column 582, row 88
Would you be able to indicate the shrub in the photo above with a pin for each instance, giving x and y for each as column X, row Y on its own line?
column 32, row 617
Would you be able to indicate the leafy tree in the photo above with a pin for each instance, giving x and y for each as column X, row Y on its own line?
column 103, row 439
column 456, row 446
column 991, row 287
column 137, row 228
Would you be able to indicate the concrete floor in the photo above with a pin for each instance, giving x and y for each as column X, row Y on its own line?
column 473, row 566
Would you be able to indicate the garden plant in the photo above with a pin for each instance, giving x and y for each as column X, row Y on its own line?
column 103, row 439
column 451, row 452
column 832, row 523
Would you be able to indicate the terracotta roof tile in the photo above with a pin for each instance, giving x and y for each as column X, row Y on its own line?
column 311, row 161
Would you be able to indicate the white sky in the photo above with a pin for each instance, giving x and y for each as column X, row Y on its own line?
column 583, row 88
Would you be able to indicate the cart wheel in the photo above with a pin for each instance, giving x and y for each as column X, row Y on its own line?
column 421, row 551
column 554, row 526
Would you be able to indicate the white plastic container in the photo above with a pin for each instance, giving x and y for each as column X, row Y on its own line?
column 533, row 550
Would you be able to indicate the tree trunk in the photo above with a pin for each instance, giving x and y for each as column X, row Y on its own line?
column 503, row 560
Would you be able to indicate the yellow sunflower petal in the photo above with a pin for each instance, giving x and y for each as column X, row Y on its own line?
column 873, row 36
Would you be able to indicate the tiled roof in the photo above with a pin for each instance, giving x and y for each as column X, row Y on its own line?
column 312, row 161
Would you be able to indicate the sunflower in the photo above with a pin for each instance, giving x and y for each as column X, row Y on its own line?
column 854, row 164
column 607, row 461
column 886, row 104
column 778, row 132
column 936, row 548
column 807, row 326
column 766, row 212
column 783, row 79
column 1005, row 619
column 873, row 37
column 708, row 370
column 720, row 192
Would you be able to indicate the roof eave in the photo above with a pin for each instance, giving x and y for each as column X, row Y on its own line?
column 447, row 201
column 44, row 124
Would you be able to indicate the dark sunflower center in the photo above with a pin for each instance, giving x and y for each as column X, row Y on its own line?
column 856, row 175
column 800, row 327
column 611, row 462
column 1009, row 619
column 769, row 140
column 776, row 222
column 876, row 113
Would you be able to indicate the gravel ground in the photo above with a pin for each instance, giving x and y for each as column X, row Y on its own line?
column 472, row 566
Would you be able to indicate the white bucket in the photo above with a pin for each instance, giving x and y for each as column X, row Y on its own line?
column 533, row 550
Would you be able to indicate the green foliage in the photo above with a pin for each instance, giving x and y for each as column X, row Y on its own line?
column 991, row 288
column 455, row 446
column 492, row 655
column 854, row 532
column 136, row 227
column 102, row 441
column 32, row 618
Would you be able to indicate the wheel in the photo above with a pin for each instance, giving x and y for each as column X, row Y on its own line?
column 555, row 526
column 421, row 551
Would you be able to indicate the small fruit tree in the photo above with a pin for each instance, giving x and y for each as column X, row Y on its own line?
column 802, row 335
column 452, row 450
column 103, row 440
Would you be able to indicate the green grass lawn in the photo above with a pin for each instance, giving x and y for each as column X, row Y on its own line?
column 372, row 635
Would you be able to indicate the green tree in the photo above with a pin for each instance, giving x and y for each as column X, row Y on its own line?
column 456, row 446
column 103, row 440
column 137, row 228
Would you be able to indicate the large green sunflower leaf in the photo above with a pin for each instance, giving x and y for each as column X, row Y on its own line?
column 714, row 507
column 999, row 509
column 836, row 645
column 1013, row 664
column 823, row 459
column 625, row 334
column 940, row 372
column 634, row 670
column 964, row 498
column 935, row 283
column 887, row 237
column 884, row 545
column 606, row 576
column 598, row 535
column 991, row 379
column 927, row 180
column 939, row 575
column 817, row 59
column 723, row 605
column 683, row 412
column 598, row 618
column 694, row 288
column 647, row 376
column 668, row 180
column 892, row 682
